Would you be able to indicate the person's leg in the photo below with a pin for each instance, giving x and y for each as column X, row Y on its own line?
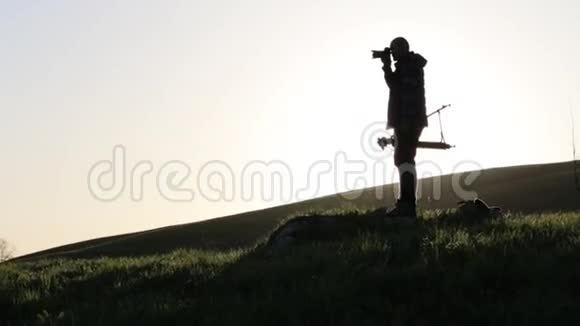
column 406, row 164
column 407, row 182
column 405, row 151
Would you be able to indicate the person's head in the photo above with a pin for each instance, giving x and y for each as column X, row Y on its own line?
column 399, row 48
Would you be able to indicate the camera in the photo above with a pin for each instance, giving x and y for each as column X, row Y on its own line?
column 384, row 141
column 378, row 54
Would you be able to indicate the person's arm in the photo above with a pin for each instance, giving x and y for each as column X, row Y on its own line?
column 390, row 76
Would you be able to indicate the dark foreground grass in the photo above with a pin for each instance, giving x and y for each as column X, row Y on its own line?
column 446, row 269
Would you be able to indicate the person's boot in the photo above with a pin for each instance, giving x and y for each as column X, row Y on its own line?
column 402, row 208
column 405, row 206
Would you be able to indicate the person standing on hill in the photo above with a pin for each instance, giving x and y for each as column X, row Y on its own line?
column 407, row 116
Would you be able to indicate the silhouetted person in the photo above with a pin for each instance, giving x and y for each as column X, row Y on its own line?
column 407, row 116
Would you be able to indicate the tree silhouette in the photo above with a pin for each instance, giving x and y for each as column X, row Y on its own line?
column 5, row 250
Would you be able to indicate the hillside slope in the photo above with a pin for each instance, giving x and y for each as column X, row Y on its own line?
column 518, row 188
column 446, row 268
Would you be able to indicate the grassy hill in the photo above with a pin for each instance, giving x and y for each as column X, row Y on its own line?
column 446, row 268
column 518, row 188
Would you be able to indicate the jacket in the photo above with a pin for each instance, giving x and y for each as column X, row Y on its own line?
column 406, row 92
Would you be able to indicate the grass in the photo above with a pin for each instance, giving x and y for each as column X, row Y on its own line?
column 445, row 269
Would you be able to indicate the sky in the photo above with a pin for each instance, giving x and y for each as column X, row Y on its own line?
column 193, row 91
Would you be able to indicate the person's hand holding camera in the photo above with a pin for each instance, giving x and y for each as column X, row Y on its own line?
column 386, row 57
